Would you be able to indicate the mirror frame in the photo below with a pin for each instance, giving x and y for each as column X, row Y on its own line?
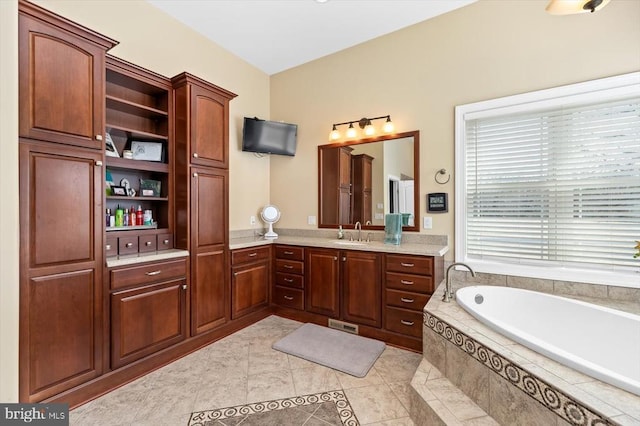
column 416, row 170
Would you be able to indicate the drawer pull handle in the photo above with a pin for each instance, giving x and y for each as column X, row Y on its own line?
column 287, row 266
column 108, row 247
column 253, row 254
column 288, row 253
column 148, row 243
column 288, row 297
column 406, row 300
column 407, row 265
column 165, row 242
column 128, row 245
column 409, row 323
column 152, row 273
column 406, row 282
column 289, row 280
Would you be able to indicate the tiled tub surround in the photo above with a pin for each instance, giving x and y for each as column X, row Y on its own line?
column 510, row 382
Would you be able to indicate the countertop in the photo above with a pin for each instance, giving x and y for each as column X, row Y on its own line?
column 133, row 259
column 374, row 246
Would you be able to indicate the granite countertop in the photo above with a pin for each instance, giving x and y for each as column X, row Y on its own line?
column 345, row 244
column 133, row 259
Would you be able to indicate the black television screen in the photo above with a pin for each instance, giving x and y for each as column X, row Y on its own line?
column 269, row 137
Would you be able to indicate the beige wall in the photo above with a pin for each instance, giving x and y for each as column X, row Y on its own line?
column 153, row 40
column 488, row 49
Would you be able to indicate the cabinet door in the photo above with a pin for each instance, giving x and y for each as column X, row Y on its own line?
column 322, row 286
column 208, row 290
column 61, row 83
column 60, row 269
column 249, row 288
column 209, row 199
column 146, row 319
column 362, row 284
column 209, row 128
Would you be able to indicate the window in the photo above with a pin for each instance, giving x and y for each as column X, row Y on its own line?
column 548, row 182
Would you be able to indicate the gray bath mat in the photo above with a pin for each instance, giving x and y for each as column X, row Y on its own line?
column 336, row 349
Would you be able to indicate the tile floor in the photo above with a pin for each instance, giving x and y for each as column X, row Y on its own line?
column 243, row 369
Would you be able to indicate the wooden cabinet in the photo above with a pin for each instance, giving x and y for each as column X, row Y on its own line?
column 362, row 288
column 61, row 79
column 409, row 282
column 288, row 290
column 61, row 313
column 148, row 309
column 203, row 121
column 250, row 280
column 335, row 186
column 139, row 107
column 323, row 281
column 361, row 169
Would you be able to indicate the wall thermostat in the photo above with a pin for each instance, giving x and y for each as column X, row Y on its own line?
column 437, row 202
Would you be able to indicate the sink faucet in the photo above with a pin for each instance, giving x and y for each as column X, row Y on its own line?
column 358, row 227
column 448, row 293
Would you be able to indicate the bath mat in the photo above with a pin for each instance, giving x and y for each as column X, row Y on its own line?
column 327, row 408
column 336, row 349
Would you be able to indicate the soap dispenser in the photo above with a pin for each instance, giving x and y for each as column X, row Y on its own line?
column 340, row 233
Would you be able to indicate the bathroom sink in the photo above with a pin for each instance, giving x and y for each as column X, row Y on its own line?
column 351, row 243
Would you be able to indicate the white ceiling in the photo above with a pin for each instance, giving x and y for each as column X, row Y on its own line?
column 275, row 35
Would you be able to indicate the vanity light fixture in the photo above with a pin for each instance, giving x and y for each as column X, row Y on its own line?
column 570, row 7
column 365, row 124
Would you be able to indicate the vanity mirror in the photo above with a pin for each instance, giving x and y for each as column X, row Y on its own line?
column 361, row 181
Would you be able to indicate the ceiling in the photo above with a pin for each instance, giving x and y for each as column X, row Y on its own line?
column 275, row 35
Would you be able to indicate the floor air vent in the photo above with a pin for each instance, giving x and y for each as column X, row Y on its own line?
column 344, row 326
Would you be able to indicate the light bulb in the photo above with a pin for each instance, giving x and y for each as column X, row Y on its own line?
column 351, row 131
column 369, row 130
column 335, row 134
column 388, row 126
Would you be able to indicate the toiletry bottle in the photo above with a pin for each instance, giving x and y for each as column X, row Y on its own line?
column 125, row 218
column 133, row 217
column 119, row 216
column 108, row 218
column 139, row 216
column 340, row 233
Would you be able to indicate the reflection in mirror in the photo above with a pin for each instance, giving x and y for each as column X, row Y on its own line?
column 361, row 181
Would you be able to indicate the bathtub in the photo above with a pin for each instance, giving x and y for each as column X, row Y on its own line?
column 600, row 342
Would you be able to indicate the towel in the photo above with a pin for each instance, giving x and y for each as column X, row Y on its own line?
column 393, row 228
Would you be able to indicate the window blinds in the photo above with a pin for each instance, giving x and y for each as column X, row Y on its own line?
column 558, row 185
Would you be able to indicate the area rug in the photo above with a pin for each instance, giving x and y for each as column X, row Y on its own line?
column 328, row 408
column 335, row 349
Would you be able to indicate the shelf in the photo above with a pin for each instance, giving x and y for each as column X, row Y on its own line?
column 133, row 108
column 131, row 228
column 127, row 164
column 123, row 197
column 133, row 133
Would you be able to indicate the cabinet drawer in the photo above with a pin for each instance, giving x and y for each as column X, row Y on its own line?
column 128, row 245
column 407, row 300
column 289, row 266
column 289, row 280
column 165, row 241
column 404, row 321
column 290, row 252
column 408, row 282
column 249, row 255
column 160, row 271
column 111, row 247
column 288, row 297
column 147, row 243
column 410, row 264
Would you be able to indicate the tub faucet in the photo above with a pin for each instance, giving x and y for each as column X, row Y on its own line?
column 358, row 227
column 448, row 293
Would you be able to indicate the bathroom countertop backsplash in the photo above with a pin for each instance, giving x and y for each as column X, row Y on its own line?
column 418, row 244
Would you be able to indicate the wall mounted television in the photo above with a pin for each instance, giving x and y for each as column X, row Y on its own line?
column 269, row 137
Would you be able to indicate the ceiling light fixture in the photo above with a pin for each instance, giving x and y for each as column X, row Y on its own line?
column 569, row 7
column 363, row 123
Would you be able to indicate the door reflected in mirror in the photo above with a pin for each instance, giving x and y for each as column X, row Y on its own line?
column 362, row 181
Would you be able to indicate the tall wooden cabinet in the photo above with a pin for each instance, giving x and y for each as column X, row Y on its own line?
column 202, row 198
column 61, row 103
column 335, row 201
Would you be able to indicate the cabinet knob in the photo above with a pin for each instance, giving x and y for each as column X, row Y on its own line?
column 98, row 137
column 195, row 155
column 128, row 245
column 344, row 258
column 99, row 163
column 165, row 242
column 108, row 247
column 335, row 257
column 195, row 175
column 184, row 286
column 148, row 243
